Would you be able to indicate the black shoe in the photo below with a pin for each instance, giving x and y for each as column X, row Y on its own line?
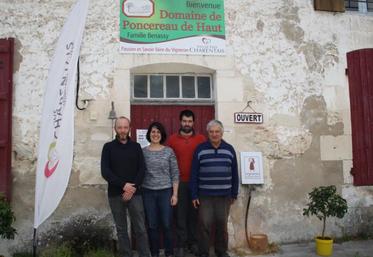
column 179, row 252
column 222, row 254
column 194, row 249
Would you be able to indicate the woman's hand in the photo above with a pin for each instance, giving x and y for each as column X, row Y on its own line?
column 173, row 200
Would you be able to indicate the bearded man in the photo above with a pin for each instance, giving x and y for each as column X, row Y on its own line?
column 123, row 167
column 184, row 143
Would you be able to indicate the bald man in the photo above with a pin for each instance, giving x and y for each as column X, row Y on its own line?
column 123, row 167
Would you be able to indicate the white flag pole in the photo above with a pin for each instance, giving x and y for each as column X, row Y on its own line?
column 56, row 139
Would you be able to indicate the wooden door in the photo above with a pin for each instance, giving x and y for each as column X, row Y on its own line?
column 6, row 84
column 168, row 115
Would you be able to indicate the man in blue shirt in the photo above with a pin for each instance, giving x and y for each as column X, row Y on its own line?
column 214, row 187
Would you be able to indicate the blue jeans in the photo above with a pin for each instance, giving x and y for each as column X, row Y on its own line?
column 136, row 211
column 158, row 212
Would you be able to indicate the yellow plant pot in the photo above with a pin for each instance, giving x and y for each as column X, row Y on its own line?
column 324, row 247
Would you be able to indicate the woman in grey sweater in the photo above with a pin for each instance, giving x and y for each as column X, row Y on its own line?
column 160, row 188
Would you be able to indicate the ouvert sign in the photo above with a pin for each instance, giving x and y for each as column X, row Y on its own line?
column 248, row 117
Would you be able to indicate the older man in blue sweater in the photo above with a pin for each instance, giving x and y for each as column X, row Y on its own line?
column 214, row 187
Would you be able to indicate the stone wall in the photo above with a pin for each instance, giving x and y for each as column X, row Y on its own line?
column 282, row 55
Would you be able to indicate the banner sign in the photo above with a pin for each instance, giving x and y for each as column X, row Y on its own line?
column 172, row 27
column 56, row 138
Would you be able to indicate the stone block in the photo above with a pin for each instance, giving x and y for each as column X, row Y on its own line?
column 336, row 148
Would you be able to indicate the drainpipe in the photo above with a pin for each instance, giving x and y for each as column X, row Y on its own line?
column 250, row 188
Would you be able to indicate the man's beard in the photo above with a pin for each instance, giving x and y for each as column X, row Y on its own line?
column 186, row 129
column 122, row 136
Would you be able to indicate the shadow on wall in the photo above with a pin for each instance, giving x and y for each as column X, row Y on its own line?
column 307, row 170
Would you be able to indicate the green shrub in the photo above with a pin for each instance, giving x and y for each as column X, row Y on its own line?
column 64, row 250
column 99, row 253
column 6, row 219
column 81, row 233
column 324, row 202
column 22, row 255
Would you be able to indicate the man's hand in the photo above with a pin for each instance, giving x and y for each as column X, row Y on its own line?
column 128, row 190
column 173, row 200
column 195, row 203
column 126, row 196
column 129, row 187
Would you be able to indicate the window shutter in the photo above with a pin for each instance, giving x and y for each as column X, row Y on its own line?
column 360, row 79
column 329, row 5
column 6, row 84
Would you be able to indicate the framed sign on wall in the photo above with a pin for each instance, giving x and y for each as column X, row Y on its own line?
column 252, row 168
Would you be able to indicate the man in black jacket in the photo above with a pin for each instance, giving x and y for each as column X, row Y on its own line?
column 123, row 167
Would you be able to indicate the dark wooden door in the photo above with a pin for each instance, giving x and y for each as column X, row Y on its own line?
column 6, row 71
column 360, row 79
column 168, row 115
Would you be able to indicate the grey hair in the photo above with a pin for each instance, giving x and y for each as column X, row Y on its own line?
column 215, row 123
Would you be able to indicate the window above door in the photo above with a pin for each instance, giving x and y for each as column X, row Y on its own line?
column 363, row 6
column 359, row 5
column 172, row 87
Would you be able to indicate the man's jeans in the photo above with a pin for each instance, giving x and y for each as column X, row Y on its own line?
column 136, row 212
column 158, row 211
column 214, row 210
column 186, row 218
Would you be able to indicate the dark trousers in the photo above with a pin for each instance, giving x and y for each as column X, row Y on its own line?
column 136, row 212
column 158, row 211
column 214, row 210
column 186, row 218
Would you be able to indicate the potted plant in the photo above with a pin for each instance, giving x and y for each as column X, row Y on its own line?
column 6, row 219
column 324, row 202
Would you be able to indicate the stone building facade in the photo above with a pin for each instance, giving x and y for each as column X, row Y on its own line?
column 284, row 56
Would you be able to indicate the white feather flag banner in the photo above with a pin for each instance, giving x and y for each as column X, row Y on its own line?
column 56, row 139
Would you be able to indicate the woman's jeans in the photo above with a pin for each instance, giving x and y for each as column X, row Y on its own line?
column 158, row 211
